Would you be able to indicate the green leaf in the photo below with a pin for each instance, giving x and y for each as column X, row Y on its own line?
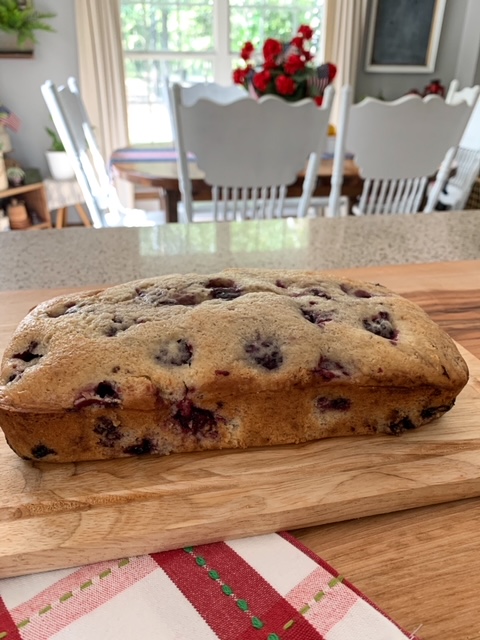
column 23, row 22
column 56, row 143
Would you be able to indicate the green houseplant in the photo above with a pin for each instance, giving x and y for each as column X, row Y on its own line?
column 23, row 20
column 55, row 143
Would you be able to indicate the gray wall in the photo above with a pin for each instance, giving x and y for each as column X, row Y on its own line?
column 394, row 85
column 477, row 73
column 55, row 58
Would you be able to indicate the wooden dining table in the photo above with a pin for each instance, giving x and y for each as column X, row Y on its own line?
column 419, row 564
column 163, row 176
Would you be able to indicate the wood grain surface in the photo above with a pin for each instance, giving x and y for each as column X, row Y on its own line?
column 421, row 565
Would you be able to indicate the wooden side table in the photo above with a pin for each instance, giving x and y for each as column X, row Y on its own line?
column 62, row 194
column 35, row 199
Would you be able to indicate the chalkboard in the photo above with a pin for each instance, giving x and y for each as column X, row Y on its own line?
column 404, row 35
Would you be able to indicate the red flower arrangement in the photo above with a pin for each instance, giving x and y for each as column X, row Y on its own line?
column 286, row 69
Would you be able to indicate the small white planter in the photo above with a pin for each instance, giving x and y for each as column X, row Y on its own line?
column 59, row 165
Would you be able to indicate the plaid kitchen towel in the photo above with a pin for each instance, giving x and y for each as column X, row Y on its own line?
column 262, row 588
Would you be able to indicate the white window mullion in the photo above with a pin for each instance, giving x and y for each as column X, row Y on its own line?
column 221, row 27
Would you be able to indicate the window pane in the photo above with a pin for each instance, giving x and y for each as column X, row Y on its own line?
column 148, row 115
column 167, row 25
column 256, row 21
column 164, row 27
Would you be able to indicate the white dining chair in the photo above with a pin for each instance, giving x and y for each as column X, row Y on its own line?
column 192, row 93
column 398, row 146
column 250, row 151
column 467, row 159
column 76, row 133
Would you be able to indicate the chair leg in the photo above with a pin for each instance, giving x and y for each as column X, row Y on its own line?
column 61, row 215
column 83, row 215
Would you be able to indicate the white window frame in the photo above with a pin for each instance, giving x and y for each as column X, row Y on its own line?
column 221, row 57
column 222, row 62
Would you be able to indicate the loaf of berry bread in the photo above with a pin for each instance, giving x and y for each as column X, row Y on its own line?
column 241, row 358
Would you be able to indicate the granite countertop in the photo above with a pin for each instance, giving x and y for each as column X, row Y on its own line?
column 80, row 256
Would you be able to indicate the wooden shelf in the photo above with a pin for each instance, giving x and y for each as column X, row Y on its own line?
column 35, row 200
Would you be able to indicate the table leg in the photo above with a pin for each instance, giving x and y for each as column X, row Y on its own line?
column 172, row 198
column 83, row 215
column 60, row 221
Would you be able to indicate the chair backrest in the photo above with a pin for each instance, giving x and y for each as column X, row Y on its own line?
column 249, row 150
column 399, row 145
column 467, row 94
column 212, row 91
column 75, row 131
column 192, row 93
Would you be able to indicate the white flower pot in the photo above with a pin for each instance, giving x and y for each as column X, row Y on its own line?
column 59, row 165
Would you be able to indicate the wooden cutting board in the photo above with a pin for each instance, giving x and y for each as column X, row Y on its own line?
column 55, row 516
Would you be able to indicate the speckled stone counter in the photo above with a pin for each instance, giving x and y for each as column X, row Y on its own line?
column 80, row 256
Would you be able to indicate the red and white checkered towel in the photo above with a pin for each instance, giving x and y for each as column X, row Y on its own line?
column 263, row 588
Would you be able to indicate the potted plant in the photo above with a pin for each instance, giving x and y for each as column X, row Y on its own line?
column 19, row 19
column 57, row 159
column 285, row 69
column 16, row 176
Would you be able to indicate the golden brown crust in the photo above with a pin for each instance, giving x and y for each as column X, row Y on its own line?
column 187, row 362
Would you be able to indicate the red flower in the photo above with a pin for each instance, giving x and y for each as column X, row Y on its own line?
column 294, row 64
column 239, row 75
column 261, row 80
column 332, row 71
column 272, row 48
column 270, row 63
column 297, row 42
column 306, row 31
column 285, row 85
column 287, row 69
column 247, row 50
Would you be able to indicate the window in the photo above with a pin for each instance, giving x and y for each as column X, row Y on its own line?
column 195, row 41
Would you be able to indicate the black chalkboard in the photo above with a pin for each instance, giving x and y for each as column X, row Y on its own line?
column 402, row 32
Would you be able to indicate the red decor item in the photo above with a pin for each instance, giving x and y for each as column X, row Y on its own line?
column 285, row 86
column 306, row 31
column 286, row 69
column 435, row 88
column 261, row 80
column 247, row 50
column 294, row 64
column 272, row 48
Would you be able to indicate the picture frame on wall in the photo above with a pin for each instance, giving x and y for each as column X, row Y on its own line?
column 9, row 47
column 403, row 35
